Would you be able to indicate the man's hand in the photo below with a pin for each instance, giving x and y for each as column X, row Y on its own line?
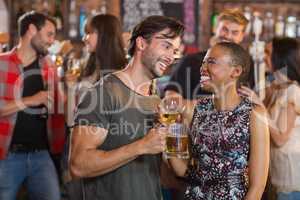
column 153, row 143
column 251, row 95
column 40, row 98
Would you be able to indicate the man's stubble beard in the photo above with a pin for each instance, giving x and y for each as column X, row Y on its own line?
column 150, row 64
column 38, row 49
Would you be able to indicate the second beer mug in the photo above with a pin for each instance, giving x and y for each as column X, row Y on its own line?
column 177, row 141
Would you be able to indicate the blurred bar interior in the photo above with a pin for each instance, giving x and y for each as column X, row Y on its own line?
column 279, row 17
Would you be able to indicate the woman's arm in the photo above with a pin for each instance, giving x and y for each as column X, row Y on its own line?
column 281, row 127
column 179, row 166
column 259, row 153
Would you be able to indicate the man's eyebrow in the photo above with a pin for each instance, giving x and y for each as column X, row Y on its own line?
column 210, row 58
column 169, row 43
column 164, row 39
column 51, row 32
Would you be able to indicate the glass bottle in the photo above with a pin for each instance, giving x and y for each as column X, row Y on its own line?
column 58, row 15
column 279, row 26
column 268, row 26
column 291, row 27
column 73, row 32
column 248, row 15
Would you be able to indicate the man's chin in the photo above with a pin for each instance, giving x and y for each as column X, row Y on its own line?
column 42, row 52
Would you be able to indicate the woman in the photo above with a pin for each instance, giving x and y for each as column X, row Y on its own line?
column 284, row 108
column 104, row 42
column 283, row 103
column 229, row 134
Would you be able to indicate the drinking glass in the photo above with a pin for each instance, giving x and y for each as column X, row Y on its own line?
column 177, row 141
column 170, row 110
column 74, row 67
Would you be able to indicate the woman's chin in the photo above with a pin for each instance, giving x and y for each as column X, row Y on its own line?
column 206, row 87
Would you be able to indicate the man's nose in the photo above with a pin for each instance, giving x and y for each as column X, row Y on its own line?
column 229, row 36
column 51, row 40
column 170, row 58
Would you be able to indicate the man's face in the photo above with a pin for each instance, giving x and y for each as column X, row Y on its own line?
column 159, row 53
column 43, row 39
column 228, row 31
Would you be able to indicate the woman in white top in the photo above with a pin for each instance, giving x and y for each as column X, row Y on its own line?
column 283, row 104
column 284, row 108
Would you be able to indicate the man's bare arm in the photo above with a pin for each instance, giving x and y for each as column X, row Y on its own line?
column 12, row 107
column 88, row 161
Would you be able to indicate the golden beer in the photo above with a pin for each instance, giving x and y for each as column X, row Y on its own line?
column 75, row 71
column 168, row 118
column 177, row 146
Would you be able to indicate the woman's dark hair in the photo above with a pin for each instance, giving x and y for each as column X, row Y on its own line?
column 35, row 18
column 154, row 24
column 109, row 54
column 239, row 57
column 286, row 57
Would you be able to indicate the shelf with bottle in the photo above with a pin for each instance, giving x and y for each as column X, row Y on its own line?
column 256, row 1
column 277, row 19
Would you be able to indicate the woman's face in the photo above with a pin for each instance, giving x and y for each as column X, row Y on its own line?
column 90, row 39
column 217, row 70
column 267, row 57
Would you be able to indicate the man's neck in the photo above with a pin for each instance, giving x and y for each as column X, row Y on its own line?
column 135, row 78
column 26, row 53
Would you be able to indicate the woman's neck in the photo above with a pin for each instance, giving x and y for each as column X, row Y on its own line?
column 227, row 99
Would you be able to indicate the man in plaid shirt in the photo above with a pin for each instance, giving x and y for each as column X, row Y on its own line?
column 24, row 75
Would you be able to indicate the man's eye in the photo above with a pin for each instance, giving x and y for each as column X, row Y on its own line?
column 211, row 62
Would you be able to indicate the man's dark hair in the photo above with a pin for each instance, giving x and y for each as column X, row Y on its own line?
column 35, row 18
column 154, row 24
column 239, row 57
column 286, row 56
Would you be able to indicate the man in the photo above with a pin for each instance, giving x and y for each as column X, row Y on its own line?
column 185, row 79
column 24, row 72
column 113, row 145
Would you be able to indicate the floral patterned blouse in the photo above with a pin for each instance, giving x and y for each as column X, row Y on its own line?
column 220, row 143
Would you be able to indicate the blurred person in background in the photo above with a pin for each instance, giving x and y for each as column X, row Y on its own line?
column 104, row 43
column 25, row 74
column 283, row 104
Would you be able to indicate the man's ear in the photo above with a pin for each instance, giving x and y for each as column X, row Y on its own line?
column 141, row 43
column 237, row 71
column 32, row 29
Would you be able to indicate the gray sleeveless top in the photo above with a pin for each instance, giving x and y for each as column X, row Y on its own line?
column 127, row 116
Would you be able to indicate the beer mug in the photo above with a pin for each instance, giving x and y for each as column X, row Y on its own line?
column 74, row 67
column 177, row 141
